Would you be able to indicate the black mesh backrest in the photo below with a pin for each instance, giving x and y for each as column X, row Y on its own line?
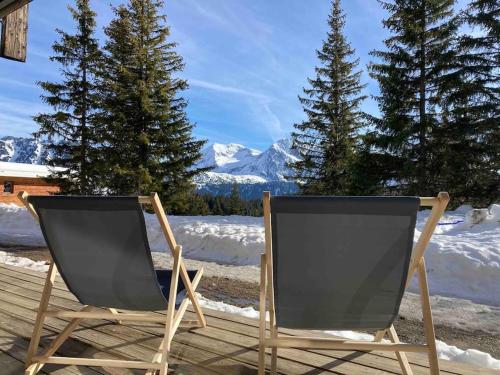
column 100, row 247
column 340, row 262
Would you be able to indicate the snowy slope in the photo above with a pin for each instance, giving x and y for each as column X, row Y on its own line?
column 218, row 178
column 463, row 260
column 22, row 150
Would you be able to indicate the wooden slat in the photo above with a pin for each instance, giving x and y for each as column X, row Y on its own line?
column 219, row 349
column 123, row 340
column 14, row 37
column 242, row 325
column 249, row 324
column 228, row 345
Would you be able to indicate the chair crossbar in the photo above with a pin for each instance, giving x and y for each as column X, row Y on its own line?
column 153, row 318
column 96, row 362
column 339, row 344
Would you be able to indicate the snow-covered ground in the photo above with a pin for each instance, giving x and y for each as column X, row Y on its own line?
column 463, row 259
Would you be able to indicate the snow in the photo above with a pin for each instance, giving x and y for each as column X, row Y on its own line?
column 463, row 260
column 219, row 155
column 24, row 170
column 470, row 356
column 226, row 178
column 235, row 240
column 448, row 352
column 7, row 258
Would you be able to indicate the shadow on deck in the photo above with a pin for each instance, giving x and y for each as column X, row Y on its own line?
column 227, row 346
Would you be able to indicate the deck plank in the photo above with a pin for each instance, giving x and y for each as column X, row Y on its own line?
column 227, row 346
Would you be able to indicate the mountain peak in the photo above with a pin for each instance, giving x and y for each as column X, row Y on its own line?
column 238, row 160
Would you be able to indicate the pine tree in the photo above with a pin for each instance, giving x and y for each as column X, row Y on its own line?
column 471, row 108
column 148, row 138
column 327, row 139
column 412, row 73
column 235, row 205
column 71, row 127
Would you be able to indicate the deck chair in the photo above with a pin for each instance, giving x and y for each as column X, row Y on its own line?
column 99, row 246
column 343, row 263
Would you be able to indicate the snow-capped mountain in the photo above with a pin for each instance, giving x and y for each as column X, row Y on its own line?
column 237, row 160
column 23, row 150
column 219, row 155
column 254, row 171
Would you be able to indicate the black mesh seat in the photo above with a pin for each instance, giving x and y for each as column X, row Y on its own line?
column 101, row 249
column 340, row 262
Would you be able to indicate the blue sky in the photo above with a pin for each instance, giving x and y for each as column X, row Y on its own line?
column 246, row 61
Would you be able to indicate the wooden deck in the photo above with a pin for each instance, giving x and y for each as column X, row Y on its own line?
column 227, row 346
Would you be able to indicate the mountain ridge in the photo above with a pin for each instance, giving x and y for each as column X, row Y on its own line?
column 233, row 163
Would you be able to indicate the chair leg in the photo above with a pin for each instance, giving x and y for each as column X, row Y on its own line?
column 402, row 359
column 274, row 349
column 40, row 317
column 427, row 315
column 262, row 320
column 171, row 310
column 157, row 357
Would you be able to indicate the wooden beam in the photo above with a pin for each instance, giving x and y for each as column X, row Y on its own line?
column 14, row 37
column 144, row 317
column 97, row 362
column 340, row 344
column 11, row 6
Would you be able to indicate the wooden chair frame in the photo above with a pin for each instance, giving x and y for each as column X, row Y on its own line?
column 417, row 265
column 172, row 321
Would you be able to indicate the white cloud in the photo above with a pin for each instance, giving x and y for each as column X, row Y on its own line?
column 224, row 88
column 15, row 82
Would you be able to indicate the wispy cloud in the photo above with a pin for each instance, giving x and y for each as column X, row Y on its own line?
column 16, row 116
column 262, row 110
column 226, row 89
column 15, row 82
column 259, row 104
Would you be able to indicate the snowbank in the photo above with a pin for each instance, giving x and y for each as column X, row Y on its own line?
column 7, row 258
column 463, row 259
column 451, row 353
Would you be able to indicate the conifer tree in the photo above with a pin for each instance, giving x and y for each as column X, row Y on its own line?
column 235, row 205
column 412, row 73
column 471, row 107
column 71, row 127
column 327, row 139
column 148, row 137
